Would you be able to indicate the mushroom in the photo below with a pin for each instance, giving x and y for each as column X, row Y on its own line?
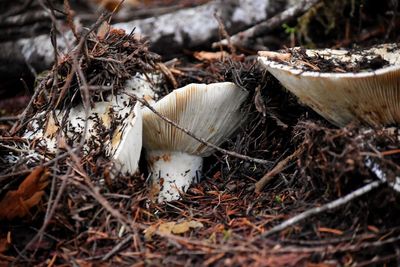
column 370, row 97
column 175, row 159
column 114, row 126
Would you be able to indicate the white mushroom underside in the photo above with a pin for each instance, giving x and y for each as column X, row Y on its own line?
column 173, row 172
column 211, row 112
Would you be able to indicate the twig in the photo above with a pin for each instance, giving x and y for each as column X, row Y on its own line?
column 117, row 248
column 276, row 170
column 24, row 113
column 224, row 34
column 268, row 25
column 329, row 206
column 201, row 140
column 381, row 175
column 329, row 249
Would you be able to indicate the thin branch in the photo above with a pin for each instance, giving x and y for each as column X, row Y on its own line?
column 276, row 170
column 117, row 248
column 317, row 210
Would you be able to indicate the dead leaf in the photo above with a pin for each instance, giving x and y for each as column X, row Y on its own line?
column 210, row 56
column 149, row 232
column 16, row 203
column 171, row 228
column 181, row 228
column 166, row 228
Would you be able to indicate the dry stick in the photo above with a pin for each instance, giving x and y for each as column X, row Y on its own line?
column 276, row 170
column 117, row 248
column 269, row 25
column 376, row 168
column 201, row 140
column 329, row 249
column 224, row 33
column 329, row 206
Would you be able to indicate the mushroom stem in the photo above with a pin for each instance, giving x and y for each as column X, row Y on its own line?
column 173, row 172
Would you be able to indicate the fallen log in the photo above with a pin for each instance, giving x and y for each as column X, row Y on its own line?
column 186, row 28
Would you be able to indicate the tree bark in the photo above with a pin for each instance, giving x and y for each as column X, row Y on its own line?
column 168, row 33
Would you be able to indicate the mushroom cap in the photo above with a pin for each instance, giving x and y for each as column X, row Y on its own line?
column 211, row 112
column 114, row 127
column 126, row 142
column 370, row 97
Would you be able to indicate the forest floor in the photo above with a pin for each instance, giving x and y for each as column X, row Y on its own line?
column 59, row 213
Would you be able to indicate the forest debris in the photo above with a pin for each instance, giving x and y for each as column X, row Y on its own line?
column 223, row 240
column 16, row 203
column 318, row 210
column 336, row 60
column 172, row 228
column 330, row 153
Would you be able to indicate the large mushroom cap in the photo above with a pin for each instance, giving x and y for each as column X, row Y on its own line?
column 371, row 97
column 211, row 112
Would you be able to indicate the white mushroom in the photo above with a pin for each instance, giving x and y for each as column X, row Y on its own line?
column 371, row 97
column 114, row 126
column 211, row 112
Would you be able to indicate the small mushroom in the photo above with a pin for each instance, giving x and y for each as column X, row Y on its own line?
column 211, row 112
column 368, row 96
